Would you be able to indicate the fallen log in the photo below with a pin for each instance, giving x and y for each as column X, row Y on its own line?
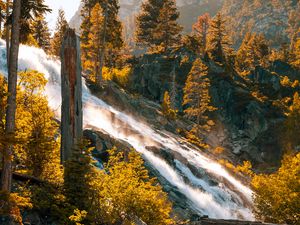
column 26, row 178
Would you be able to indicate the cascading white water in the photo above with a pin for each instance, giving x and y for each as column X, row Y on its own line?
column 225, row 200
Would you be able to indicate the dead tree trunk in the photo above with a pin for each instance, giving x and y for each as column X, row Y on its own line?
column 71, row 91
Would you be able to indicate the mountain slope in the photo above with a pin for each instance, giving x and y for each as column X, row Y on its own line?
column 270, row 17
column 189, row 12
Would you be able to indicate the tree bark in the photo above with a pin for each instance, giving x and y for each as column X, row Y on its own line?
column 7, row 35
column 71, row 90
column 6, row 175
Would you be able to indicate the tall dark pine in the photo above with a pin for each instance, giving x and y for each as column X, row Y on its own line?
column 219, row 45
column 157, row 24
column 41, row 32
column 110, row 37
column 147, row 22
column 6, row 176
column 61, row 27
column 168, row 30
column 71, row 90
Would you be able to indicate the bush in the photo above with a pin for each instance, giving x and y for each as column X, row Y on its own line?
column 277, row 196
column 119, row 76
column 125, row 192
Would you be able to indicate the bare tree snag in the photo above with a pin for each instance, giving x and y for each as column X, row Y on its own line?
column 71, row 92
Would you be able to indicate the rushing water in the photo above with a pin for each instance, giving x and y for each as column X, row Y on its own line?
column 228, row 199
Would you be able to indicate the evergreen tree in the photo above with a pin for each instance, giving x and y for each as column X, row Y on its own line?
column 168, row 30
column 245, row 57
column 200, row 29
column 147, row 22
column 218, row 44
column 196, row 97
column 292, row 125
column 61, row 27
column 295, row 52
column 157, row 24
column 254, row 51
column 95, row 44
column 78, row 175
column 110, row 36
column 31, row 9
column 41, row 32
column 167, row 109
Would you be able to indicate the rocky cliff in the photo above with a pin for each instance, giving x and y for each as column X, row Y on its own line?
column 272, row 18
column 248, row 120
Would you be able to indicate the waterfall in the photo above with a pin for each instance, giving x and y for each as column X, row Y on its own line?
column 226, row 198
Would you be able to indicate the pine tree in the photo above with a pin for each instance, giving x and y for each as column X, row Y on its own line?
column 78, row 174
column 61, row 27
column 29, row 11
column 254, row 51
column 110, row 37
column 200, row 30
column 168, row 30
column 167, row 109
column 95, row 44
column 147, row 22
column 196, row 97
column 295, row 52
column 218, row 44
column 157, row 24
column 245, row 56
column 41, row 32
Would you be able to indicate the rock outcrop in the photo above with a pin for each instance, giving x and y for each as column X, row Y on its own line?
column 247, row 120
column 268, row 17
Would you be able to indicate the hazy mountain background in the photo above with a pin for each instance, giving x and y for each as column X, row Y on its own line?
column 271, row 17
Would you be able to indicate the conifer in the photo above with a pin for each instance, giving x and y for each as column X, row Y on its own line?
column 295, row 52
column 218, row 43
column 157, row 24
column 168, row 30
column 196, row 96
column 254, row 51
column 167, row 109
column 110, row 38
column 200, row 30
column 61, row 27
column 41, row 32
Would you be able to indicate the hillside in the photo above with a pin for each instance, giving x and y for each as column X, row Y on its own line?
column 275, row 19
column 189, row 12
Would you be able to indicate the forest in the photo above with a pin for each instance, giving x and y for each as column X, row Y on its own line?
column 156, row 119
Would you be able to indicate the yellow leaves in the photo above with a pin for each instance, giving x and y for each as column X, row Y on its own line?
column 78, row 216
column 166, row 107
column 120, row 76
column 245, row 168
column 219, row 150
column 12, row 204
column 126, row 191
column 32, row 81
column 276, row 195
